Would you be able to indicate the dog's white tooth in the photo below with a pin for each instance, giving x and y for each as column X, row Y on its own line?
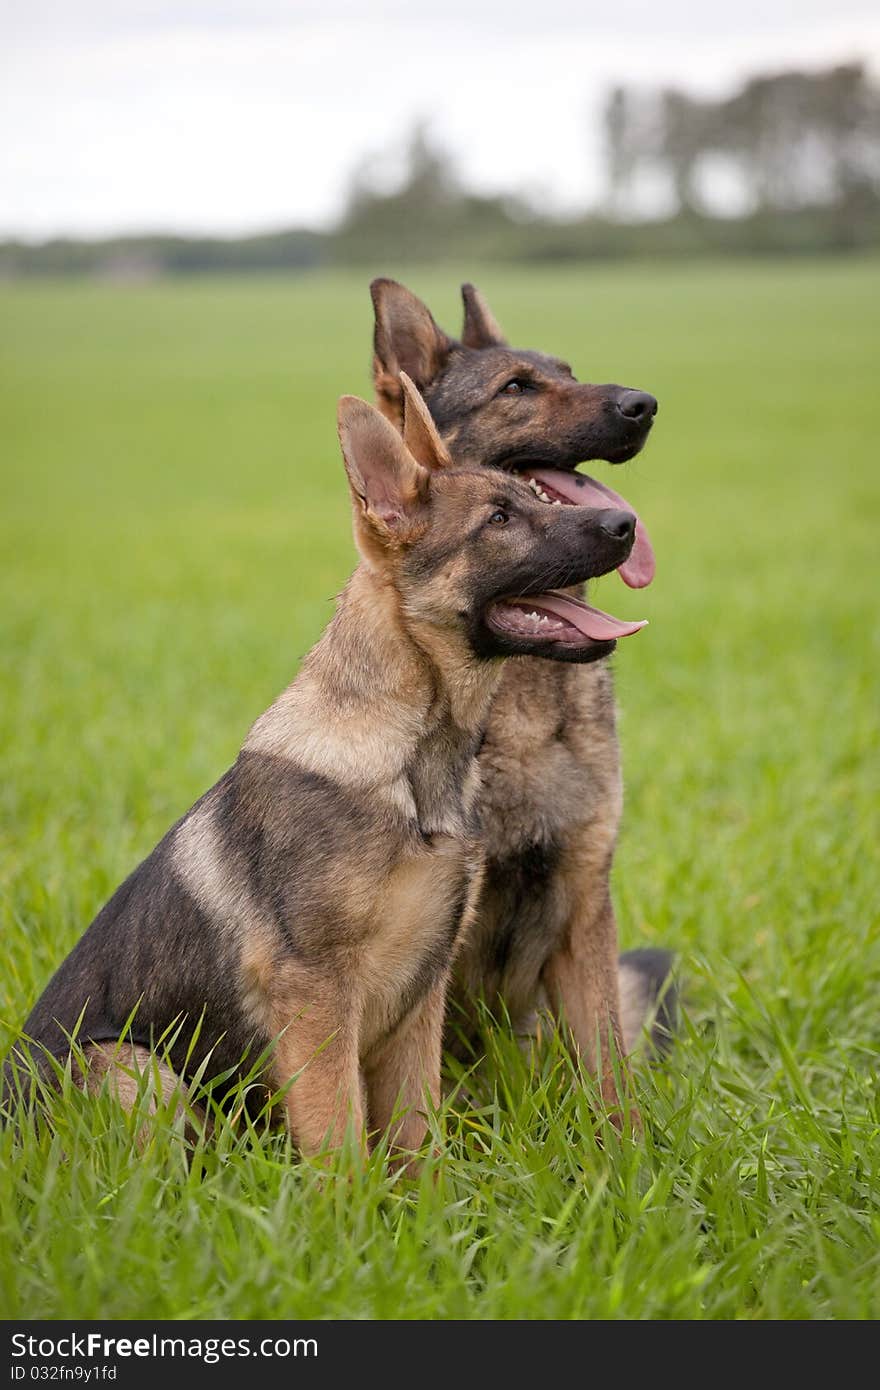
column 556, row 503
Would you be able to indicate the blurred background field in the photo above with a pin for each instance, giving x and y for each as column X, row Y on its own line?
column 174, row 527
column 782, row 162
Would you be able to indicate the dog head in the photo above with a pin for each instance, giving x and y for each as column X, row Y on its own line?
column 474, row 552
column 501, row 407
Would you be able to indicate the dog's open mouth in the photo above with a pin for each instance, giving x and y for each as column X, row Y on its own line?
column 577, row 490
column 558, row 618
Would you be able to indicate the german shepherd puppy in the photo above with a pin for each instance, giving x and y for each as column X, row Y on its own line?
column 315, row 897
column 550, row 802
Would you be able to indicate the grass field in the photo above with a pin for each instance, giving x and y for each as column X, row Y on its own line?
column 174, row 527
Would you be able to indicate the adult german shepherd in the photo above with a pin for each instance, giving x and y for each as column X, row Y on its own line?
column 550, row 804
column 315, row 897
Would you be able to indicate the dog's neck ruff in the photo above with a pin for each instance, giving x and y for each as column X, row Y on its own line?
column 371, row 698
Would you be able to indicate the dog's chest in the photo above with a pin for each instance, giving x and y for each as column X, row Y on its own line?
column 426, row 896
column 416, row 927
column 442, row 779
column 550, row 759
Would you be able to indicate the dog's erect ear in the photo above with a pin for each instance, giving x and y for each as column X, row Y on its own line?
column 388, row 487
column 480, row 329
column 405, row 339
column 419, row 431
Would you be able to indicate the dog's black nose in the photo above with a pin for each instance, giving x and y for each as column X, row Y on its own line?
column 637, row 405
column 621, row 526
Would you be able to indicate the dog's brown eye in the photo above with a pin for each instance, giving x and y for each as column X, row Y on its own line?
column 499, row 518
column 513, row 388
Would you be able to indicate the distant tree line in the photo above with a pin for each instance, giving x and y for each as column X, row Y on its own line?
column 789, row 163
column 791, row 140
column 142, row 257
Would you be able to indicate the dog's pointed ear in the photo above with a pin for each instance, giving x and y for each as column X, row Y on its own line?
column 405, row 339
column 480, row 327
column 419, row 431
column 388, row 487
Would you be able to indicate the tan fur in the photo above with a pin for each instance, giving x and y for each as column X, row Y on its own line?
column 127, row 1070
column 419, row 434
column 317, row 1057
column 416, row 346
column 635, row 1010
column 365, row 744
column 480, row 327
column 258, row 967
column 396, row 1089
column 198, row 860
column 389, row 955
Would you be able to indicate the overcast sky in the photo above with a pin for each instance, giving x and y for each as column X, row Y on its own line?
column 230, row 115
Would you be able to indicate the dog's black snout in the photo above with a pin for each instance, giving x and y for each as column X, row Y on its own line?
column 621, row 526
column 637, row 406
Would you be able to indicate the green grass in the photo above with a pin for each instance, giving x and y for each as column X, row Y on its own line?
column 174, row 526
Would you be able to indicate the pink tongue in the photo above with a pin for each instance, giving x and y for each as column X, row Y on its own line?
column 592, row 622
column 638, row 570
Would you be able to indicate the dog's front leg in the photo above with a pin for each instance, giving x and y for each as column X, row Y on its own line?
column 318, row 1054
column 405, row 1067
column 580, row 979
